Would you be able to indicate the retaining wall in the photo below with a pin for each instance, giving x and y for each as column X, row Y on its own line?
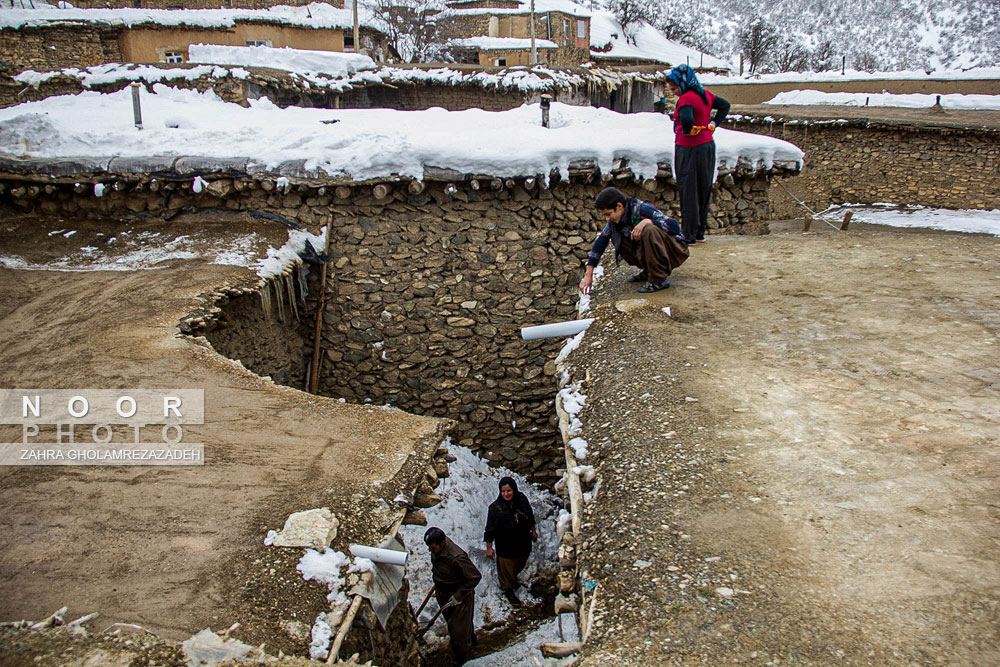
column 758, row 93
column 429, row 282
column 866, row 161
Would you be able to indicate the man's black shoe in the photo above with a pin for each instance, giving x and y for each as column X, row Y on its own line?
column 512, row 598
column 638, row 278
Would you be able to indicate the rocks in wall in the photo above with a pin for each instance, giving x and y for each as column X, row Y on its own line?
column 866, row 162
column 428, row 284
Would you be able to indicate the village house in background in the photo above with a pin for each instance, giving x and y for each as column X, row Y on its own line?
column 56, row 38
column 498, row 32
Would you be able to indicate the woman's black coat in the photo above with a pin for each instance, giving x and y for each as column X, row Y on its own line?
column 508, row 524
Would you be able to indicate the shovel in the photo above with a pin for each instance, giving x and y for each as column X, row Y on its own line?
column 421, row 633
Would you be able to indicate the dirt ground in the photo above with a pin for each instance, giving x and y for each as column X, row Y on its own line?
column 800, row 463
column 177, row 549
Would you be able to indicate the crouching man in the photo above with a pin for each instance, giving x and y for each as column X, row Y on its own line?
column 455, row 579
column 642, row 236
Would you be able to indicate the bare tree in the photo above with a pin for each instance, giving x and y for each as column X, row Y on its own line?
column 678, row 29
column 631, row 14
column 410, row 26
column 865, row 61
column 789, row 56
column 824, row 57
column 757, row 38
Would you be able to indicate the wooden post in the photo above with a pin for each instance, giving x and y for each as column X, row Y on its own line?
column 320, row 305
column 847, row 221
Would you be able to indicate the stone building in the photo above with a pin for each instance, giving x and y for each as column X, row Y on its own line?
column 51, row 38
column 498, row 32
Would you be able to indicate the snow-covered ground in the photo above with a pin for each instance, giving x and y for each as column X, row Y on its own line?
column 972, row 222
column 857, row 75
column 911, row 101
column 467, row 494
column 360, row 143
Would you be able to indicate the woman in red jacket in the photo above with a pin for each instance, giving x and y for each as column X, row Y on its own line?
column 694, row 148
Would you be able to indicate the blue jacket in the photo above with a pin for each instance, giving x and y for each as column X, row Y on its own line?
column 635, row 212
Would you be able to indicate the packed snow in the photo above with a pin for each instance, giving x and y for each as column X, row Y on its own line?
column 467, row 493
column 363, row 143
column 526, row 652
column 911, row 101
column 332, row 63
column 112, row 72
column 967, row 221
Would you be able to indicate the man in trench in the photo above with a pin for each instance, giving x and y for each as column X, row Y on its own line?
column 455, row 580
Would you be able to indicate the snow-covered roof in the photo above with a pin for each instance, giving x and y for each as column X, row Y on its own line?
column 316, row 15
column 541, row 7
column 501, row 43
column 360, row 143
column 292, row 60
column 650, row 44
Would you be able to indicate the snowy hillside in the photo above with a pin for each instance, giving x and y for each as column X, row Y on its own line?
column 872, row 34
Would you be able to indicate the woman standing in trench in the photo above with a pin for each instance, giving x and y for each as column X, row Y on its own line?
column 510, row 523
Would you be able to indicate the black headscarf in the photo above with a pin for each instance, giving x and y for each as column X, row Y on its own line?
column 509, row 522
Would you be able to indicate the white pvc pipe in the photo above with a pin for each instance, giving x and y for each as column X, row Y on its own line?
column 377, row 555
column 556, row 329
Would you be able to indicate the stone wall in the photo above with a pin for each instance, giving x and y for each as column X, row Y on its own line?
column 429, row 283
column 758, row 93
column 867, row 162
column 56, row 47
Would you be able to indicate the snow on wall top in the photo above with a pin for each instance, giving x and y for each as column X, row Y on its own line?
column 501, row 43
column 650, row 44
column 519, row 77
column 292, row 60
column 316, row 15
column 854, row 75
column 360, row 143
column 541, row 7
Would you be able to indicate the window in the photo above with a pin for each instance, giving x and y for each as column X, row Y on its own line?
column 173, row 57
column 500, row 62
column 566, row 32
column 258, row 42
column 581, row 29
column 348, row 41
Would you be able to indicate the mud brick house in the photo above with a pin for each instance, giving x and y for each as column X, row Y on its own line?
column 54, row 38
column 498, row 32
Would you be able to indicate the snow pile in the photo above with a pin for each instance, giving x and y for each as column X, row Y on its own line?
column 911, row 101
column 971, row 222
column 524, row 7
column 292, row 60
column 571, row 343
column 316, row 15
column 467, row 493
column 572, row 403
column 365, row 143
column 111, row 72
column 326, row 568
column 608, row 40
